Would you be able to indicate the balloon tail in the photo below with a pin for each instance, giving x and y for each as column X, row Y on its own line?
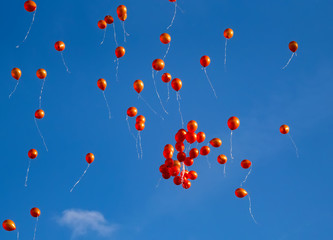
column 41, row 92
column 14, row 89
column 209, row 165
column 210, row 83
column 140, row 144
column 158, row 95
column 117, row 68
column 125, row 33
column 224, row 170
column 225, row 52
column 26, row 176
column 80, row 178
column 246, row 177
column 292, row 140
column 18, row 235
column 168, row 92
column 232, row 157
column 174, row 16
column 289, row 61
column 250, row 209
column 41, row 135
column 180, row 112
column 107, row 105
column 148, row 105
column 114, row 34
column 167, row 51
column 129, row 128
column 158, row 183
column 35, row 229
column 63, row 61
column 26, row 36
column 103, row 37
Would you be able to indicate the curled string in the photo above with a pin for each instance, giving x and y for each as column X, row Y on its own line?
column 210, row 83
column 103, row 37
column 26, row 36
column 125, row 33
column 246, row 177
column 140, row 144
column 292, row 140
column 41, row 92
column 250, row 209
column 174, row 16
column 292, row 55
column 41, row 135
column 107, row 105
column 168, row 92
column 167, row 51
column 231, row 145
column 114, row 34
column 14, row 89
column 26, row 176
column 35, row 229
column 117, row 68
column 80, row 178
column 158, row 95
column 180, row 112
column 63, row 61
column 148, row 105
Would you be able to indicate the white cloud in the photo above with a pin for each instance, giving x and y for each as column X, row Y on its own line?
column 81, row 222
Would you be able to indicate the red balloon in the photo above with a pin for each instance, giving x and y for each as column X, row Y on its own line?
column 32, row 154
column 180, row 147
column 174, row 171
column 194, row 153
column 216, row 142
column 163, row 168
column 293, row 46
column 180, row 135
column 205, row 150
column 176, row 163
column 240, row 192
column 120, row 52
column 101, row 24
column 41, row 73
column 186, row 184
column 191, row 137
column 181, row 156
column 140, row 126
column 169, row 146
column 176, row 84
column 177, row 180
column 168, row 162
column 158, row 64
column 141, row 118
column 39, row 114
column 101, row 84
column 284, row 129
column 138, row 86
column 90, row 158
column 166, row 175
column 192, row 175
column 108, row 19
column 16, row 73
column 121, row 10
column 233, row 123
column 132, row 111
column 166, row 77
column 30, row 6
column 246, row 164
column 8, row 225
column 35, row 212
column 168, row 153
column 205, row 61
column 188, row 161
column 222, row 159
column 165, row 38
column 192, row 126
column 201, row 136
column 228, row 33
column 59, row 46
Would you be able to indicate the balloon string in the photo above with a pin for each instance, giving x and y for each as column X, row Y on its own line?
column 158, row 95
column 14, row 89
column 148, row 105
column 117, row 67
column 183, row 172
column 26, row 36
column 129, row 128
column 250, row 209
column 180, row 112
column 63, row 61
column 41, row 135
column 103, row 37
column 158, row 183
column 246, row 177
column 107, row 105
column 167, row 51
column 224, row 170
column 140, row 144
column 114, row 34
column 26, row 177
column 80, row 178
column 18, row 235
column 125, row 33
column 294, row 145
column 174, row 16
column 168, row 92
column 289, row 61
column 41, row 92
column 225, row 51
column 231, row 145
column 35, row 229
column 210, row 83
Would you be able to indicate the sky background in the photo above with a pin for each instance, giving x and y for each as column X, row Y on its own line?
column 117, row 199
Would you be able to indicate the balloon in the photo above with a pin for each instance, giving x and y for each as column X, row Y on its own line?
column 169, row 146
column 163, row 168
column 240, row 192
column 90, row 158
column 166, row 175
column 216, row 142
column 168, row 162
column 158, row 64
column 181, row 156
column 165, row 38
column 293, row 46
column 120, row 52
column 59, row 46
column 132, row 112
column 192, row 175
column 177, row 180
column 176, row 163
column 233, row 123
column 123, row 17
column 121, row 10
column 172, row 0
column 101, row 84
column 222, row 159
column 188, row 161
column 39, row 114
column 41, row 73
column 139, row 126
column 186, row 184
column 184, row 174
column 284, row 129
column 101, row 24
column 246, row 164
column 180, row 147
column 192, row 126
column 138, row 85
column 180, row 135
column 16, row 73
column 176, row 84
column 205, row 150
column 228, row 33
column 191, row 137
column 141, row 118
column 205, row 61
column 166, row 77
column 108, row 19
column 174, row 171
column 168, row 153
column 32, row 154
column 201, row 136
column 35, row 212
column 194, row 153
column 30, row 6
column 8, row 225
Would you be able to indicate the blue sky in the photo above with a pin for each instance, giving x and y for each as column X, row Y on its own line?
column 117, row 199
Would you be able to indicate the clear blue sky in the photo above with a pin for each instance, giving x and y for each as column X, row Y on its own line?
column 291, row 198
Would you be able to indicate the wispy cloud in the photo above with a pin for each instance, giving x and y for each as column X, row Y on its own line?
column 80, row 222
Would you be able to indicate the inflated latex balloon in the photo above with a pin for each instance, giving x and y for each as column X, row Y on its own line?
column 35, row 212
column 8, row 225
column 101, row 24
column 41, row 73
column 59, row 46
column 120, row 52
column 39, row 114
column 205, row 61
column 90, row 158
column 30, row 6
column 192, row 126
column 233, row 123
column 205, row 150
column 138, row 86
column 246, row 164
column 293, row 46
column 228, row 33
column 108, row 19
column 176, row 84
column 201, row 136
column 222, row 159
column 16, row 73
column 284, row 129
column 158, row 64
column 132, row 111
column 166, row 77
column 165, row 38
column 101, row 84
column 240, row 192
column 32, row 154
column 216, row 142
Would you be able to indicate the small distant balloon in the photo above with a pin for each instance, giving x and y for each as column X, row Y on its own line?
column 35, row 212
column 233, row 123
column 132, row 111
column 102, row 24
column 9, row 225
column 138, row 86
column 16, row 73
column 158, row 64
column 240, row 192
column 39, row 114
column 59, row 46
column 165, row 38
column 101, row 83
column 120, row 52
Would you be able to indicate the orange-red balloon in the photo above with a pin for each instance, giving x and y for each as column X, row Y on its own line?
column 205, row 150
column 132, row 112
column 201, row 136
column 168, row 154
column 138, row 86
column 180, row 135
column 186, row 184
column 192, row 126
column 228, row 33
column 205, row 61
column 8, row 225
column 194, row 153
column 176, row 84
column 172, row 0
column 90, row 158
column 41, row 73
column 16, row 73
column 158, row 64
column 101, row 24
column 293, row 46
column 176, row 163
column 166, row 77
column 121, row 10
column 216, row 142
column 140, row 126
column 35, row 212
column 188, row 161
column 233, row 123
column 191, row 137
column 165, row 38
column 122, row 17
column 39, row 114
column 240, row 192
column 222, row 159
column 192, row 175
column 30, row 6
column 169, row 146
column 141, row 118
column 120, row 52
column 32, row 154
column 108, row 19
column 284, row 129
column 180, row 147
column 101, row 84
column 246, row 164
column 59, row 46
